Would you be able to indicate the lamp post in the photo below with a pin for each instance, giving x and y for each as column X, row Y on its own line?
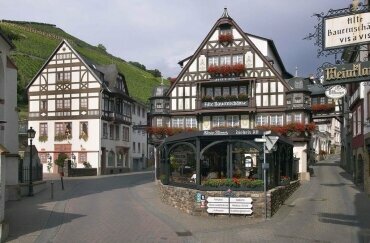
column 31, row 135
column 264, row 165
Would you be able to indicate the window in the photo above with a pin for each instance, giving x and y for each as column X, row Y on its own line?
column 105, row 130
column 111, row 132
column 133, row 109
column 84, row 131
column 225, row 91
column 233, row 121
column 63, row 128
column 63, row 76
column 125, row 134
column 238, row 59
column 212, row 61
column 225, row 60
column 133, row 147
column 209, row 91
column 276, row 120
column 218, row 121
column 43, row 105
column 138, row 147
column 314, row 100
column 83, row 103
column 217, row 91
column 117, row 132
column 43, row 129
column 191, row 122
column 159, row 122
column 60, row 56
column 158, row 105
column 143, row 112
column 288, row 119
column 63, row 104
column 178, row 122
column 243, row 90
column 234, row 90
column 261, row 120
column 322, row 100
column 297, row 117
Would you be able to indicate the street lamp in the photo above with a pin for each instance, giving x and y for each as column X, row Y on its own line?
column 264, row 165
column 31, row 135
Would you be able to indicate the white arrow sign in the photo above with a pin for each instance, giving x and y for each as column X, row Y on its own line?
column 217, row 205
column 241, row 211
column 218, row 199
column 241, row 199
column 270, row 141
column 241, row 205
column 217, row 210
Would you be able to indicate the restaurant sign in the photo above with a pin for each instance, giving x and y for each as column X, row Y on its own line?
column 346, row 30
column 347, row 73
column 335, row 92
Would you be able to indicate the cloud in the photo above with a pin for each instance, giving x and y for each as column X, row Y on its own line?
column 160, row 33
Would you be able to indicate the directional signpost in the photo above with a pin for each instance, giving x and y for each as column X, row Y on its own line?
column 230, row 205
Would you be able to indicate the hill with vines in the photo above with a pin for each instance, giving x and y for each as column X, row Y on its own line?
column 35, row 42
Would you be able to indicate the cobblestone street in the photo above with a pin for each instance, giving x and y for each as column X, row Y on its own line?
column 126, row 208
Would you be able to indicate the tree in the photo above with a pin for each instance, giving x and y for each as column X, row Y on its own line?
column 156, row 73
column 60, row 160
column 102, row 47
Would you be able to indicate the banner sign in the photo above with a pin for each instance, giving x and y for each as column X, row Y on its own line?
column 347, row 73
column 346, row 30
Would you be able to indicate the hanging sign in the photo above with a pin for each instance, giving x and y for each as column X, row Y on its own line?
column 347, row 73
column 346, row 30
column 336, row 92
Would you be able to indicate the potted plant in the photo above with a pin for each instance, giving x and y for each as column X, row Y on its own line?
column 43, row 138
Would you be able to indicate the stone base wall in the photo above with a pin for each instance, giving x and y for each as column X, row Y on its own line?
column 185, row 199
column 278, row 195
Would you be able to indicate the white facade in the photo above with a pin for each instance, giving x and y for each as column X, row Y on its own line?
column 8, row 128
column 81, row 110
column 139, row 136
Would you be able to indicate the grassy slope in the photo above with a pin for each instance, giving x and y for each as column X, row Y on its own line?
column 32, row 50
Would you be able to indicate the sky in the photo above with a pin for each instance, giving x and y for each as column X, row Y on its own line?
column 160, row 33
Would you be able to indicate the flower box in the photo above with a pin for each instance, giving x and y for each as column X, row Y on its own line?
column 226, row 38
column 316, row 108
column 226, row 70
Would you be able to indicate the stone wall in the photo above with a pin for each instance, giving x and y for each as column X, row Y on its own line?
column 185, row 198
column 277, row 196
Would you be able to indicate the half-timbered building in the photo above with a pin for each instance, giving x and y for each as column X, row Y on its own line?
column 234, row 80
column 80, row 109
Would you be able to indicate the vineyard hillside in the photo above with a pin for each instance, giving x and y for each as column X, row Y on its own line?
column 35, row 42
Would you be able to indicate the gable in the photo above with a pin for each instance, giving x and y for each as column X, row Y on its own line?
column 257, row 56
column 64, row 65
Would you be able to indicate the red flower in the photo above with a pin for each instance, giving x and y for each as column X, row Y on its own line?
column 225, row 37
